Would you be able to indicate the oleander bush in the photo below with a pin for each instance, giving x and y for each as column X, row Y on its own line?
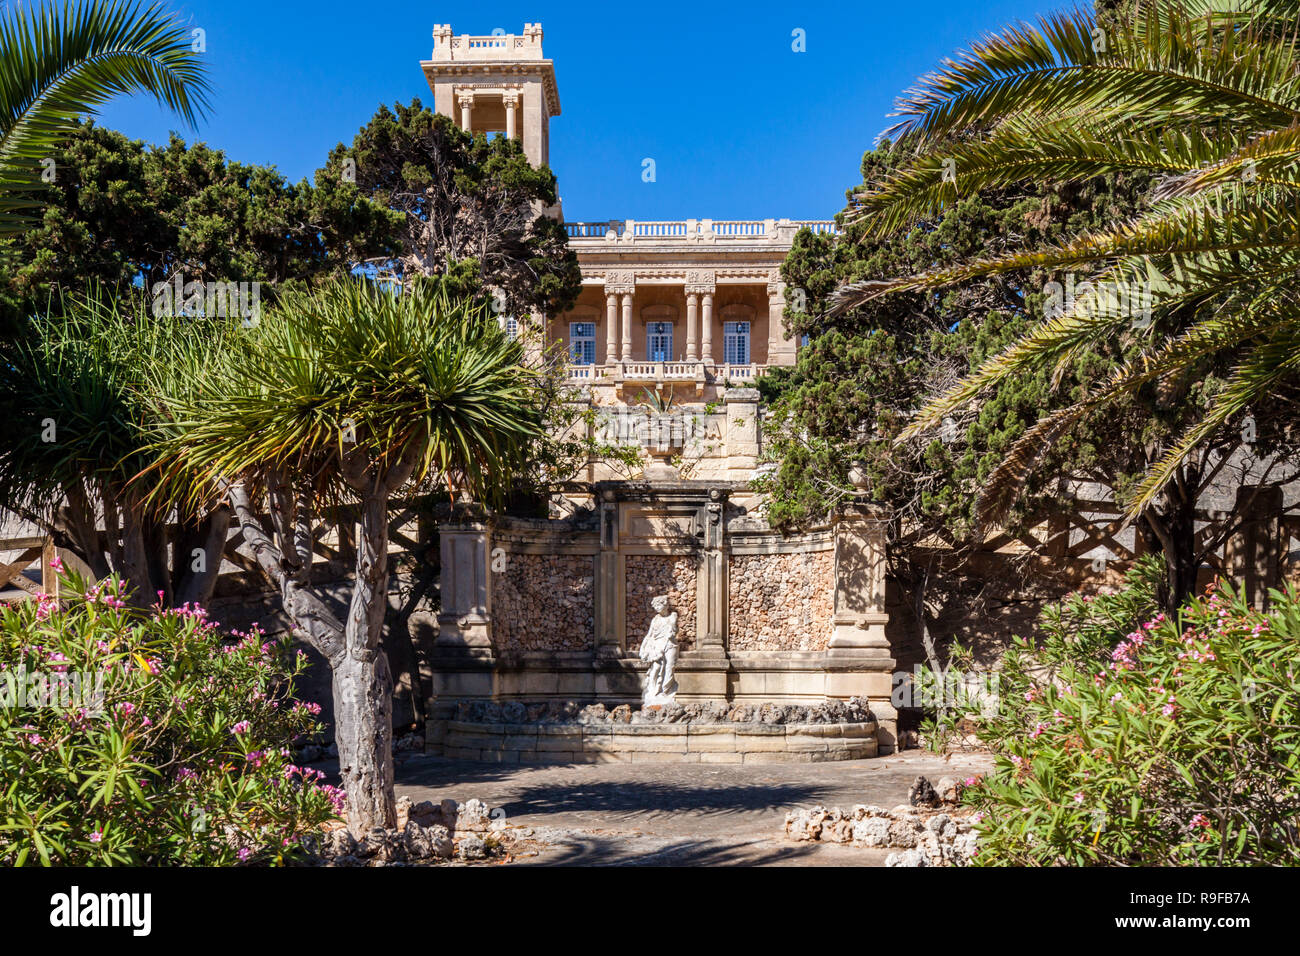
column 1124, row 737
column 148, row 737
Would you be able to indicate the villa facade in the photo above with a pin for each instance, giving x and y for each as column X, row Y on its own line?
column 686, row 313
column 675, row 322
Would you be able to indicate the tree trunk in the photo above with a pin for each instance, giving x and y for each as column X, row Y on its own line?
column 1173, row 525
column 363, row 685
column 208, row 535
column 136, row 557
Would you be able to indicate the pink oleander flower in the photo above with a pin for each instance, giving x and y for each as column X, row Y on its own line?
column 1078, row 797
column 96, row 837
column 1201, row 821
column 57, row 563
column 244, row 854
column 242, row 727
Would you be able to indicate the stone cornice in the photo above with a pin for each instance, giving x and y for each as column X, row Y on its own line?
column 543, row 70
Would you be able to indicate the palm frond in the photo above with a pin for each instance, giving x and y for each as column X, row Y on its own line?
column 59, row 64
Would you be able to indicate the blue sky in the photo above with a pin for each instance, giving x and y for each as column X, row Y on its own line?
column 739, row 125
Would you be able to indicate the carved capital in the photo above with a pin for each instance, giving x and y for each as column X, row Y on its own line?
column 465, row 98
column 510, row 99
column 620, row 282
column 701, row 281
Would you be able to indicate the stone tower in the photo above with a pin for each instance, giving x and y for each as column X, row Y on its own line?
column 496, row 84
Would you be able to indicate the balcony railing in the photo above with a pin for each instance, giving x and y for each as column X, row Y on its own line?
column 695, row 230
column 667, row 372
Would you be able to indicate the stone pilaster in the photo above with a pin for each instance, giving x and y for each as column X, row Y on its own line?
column 465, row 621
column 702, row 671
column 780, row 348
column 859, row 662
column 609, row 606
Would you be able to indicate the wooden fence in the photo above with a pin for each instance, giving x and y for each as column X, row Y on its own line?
column 333, row 548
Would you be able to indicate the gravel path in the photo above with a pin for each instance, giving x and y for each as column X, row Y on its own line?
column 624, row 814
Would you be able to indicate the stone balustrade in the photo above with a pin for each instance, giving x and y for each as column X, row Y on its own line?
column 657, row 372
column 694, row 230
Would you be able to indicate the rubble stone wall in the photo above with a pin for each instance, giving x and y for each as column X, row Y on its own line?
column 544, row 602
column 649, row 575
column 782, row 601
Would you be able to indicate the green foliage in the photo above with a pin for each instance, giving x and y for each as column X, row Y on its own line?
column 62, row 63
column 463, row 202
column 81, row 395
column 74, row 396
column 864, row 371
column 336, row 388
column 173, row 752
column 1199, row 96
column 1132, row 739
column 118, row 212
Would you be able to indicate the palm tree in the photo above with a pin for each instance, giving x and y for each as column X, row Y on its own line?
column 57, row 64
column 350, row 394
column 1203, row 95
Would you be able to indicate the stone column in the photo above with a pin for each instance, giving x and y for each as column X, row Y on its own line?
column 511, row 101
column 466, row 100
column 627, row 326
column 535, row 332
column 780, row 350
column 692, row 324
column 700, row 286
column 611, row 327
column 706, row 347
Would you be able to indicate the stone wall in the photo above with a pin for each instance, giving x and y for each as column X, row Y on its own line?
column 652, row 574
column 781, row 602
column 544, row 602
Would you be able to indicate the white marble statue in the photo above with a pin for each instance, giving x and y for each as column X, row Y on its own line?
column 659, row 650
